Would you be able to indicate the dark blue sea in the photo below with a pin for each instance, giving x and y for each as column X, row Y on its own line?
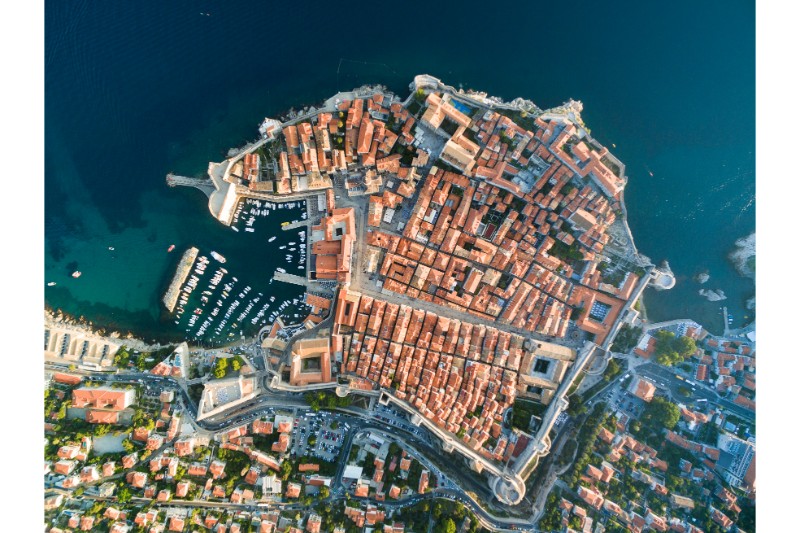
column 134, row 90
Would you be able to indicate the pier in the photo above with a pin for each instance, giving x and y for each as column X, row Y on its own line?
column 184, row 268
column 291, row 278
column 207, row 186
column 297, row 224
column 726, row 330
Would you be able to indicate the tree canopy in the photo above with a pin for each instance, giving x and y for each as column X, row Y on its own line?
column 661, row 413
column 445, row 526
column 220, row 367
column 671, row 350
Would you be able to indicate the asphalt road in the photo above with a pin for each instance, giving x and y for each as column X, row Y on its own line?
column 667, row 380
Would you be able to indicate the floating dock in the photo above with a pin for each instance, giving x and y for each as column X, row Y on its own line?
column 184, row 268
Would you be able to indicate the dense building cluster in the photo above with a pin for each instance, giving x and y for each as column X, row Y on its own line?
column 629, row 484
column 519, row 244
column 370, row 133
column 461, row 376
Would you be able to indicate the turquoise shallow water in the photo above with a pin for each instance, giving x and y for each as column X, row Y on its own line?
column 136, row 90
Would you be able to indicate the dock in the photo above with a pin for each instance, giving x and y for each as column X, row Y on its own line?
column 291, row 278
column 726, row 330
column 295, row 225
column 184, row 268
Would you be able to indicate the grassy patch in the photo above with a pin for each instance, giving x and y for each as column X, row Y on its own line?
column 522, row 411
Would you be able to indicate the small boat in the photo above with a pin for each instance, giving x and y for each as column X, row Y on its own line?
column 51, row 284
column 218, row 257
column 111, row 248
column 171, row 247
column 234, row 228
column 285, row 223
column 271, row 239
column 76, row 274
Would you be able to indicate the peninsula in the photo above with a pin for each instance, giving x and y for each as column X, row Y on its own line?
column 479, row 251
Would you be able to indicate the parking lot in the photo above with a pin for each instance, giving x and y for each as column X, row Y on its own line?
column 622, row 400
column 395, row 417
column 328, row 440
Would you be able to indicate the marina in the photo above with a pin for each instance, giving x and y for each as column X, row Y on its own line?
column 214, row 306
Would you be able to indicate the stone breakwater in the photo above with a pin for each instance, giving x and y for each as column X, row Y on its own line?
column 184, row 268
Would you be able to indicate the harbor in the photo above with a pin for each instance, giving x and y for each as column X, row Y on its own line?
column 214, row 300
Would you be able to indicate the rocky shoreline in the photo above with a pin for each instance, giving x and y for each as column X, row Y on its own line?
column 743, row 256
column 61, row 320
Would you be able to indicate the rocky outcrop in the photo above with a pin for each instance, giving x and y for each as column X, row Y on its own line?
column 743, row 256
column 712, row 295
column 702, row 277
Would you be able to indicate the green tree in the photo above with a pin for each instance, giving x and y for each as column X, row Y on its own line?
column 660, row 413
column 286, row 470
column 124, row 495
column 127, row 445
column 612, row 370
column 576, row 406
column 220, row 368
column 324, row 492
column 685, row 346
column 671, row 350
column 236, row 364
column 445, row 526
